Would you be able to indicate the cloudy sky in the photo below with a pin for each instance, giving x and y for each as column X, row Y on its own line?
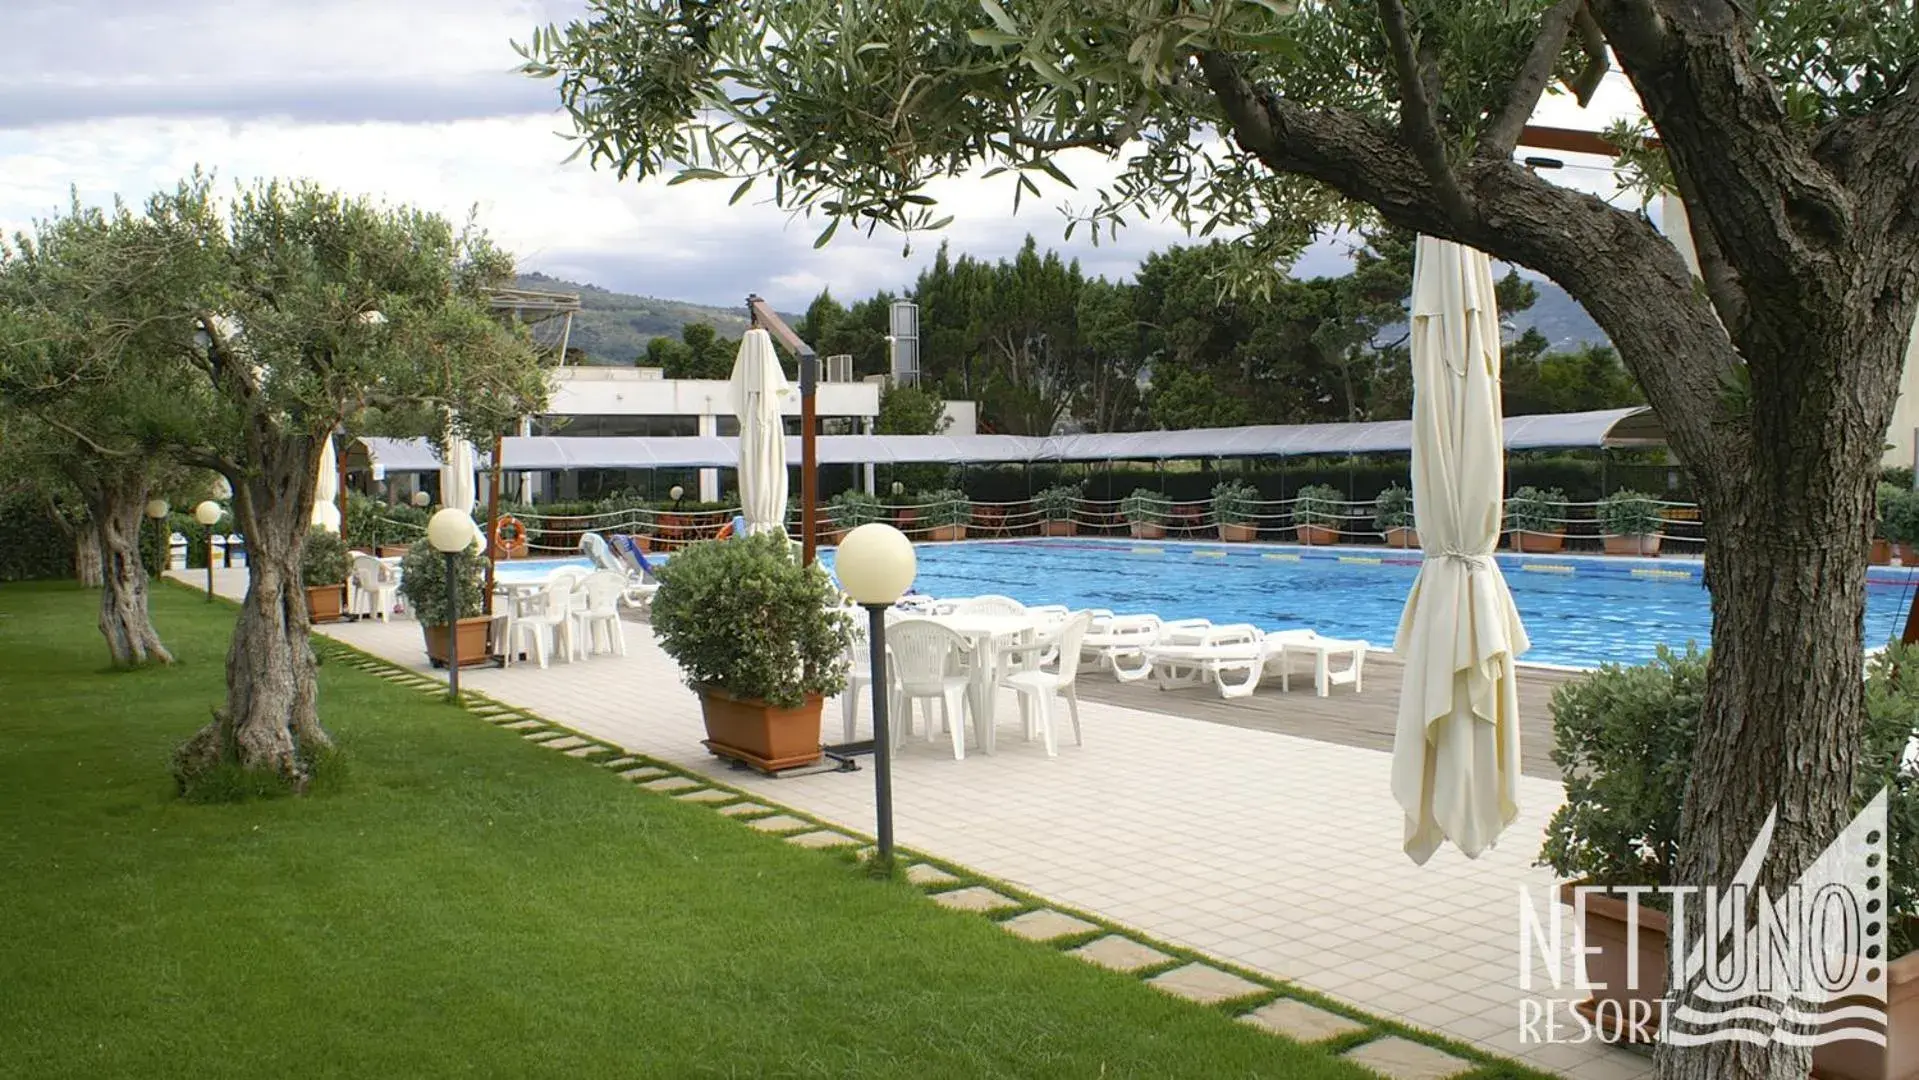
column 417, row 101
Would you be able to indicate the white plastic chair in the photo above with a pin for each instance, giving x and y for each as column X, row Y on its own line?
column 604, row 589
column 991, row 604
column 1037, row 687
column 859, row 675
column 375, row 587
column 546, row 622
column 922, row 659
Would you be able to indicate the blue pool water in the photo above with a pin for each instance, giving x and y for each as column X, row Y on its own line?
column 1579, row 611
column 513, row 571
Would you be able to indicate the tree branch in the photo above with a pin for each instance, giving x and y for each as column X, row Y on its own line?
column 1721, row 280
column 1112, row 140
column 1522, row 96
column 1416, row 108
column 84, row 439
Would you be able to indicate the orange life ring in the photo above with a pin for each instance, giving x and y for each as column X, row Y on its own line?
column 726, row 530
column 509, row 537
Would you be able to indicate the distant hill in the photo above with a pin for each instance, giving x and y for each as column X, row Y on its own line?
column 613, row 328
column 1560, row 319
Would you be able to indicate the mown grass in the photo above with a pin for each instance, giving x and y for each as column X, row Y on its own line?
column 458, row 902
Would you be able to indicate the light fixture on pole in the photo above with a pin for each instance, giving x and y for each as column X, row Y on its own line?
column 676, row 493
column 208, row 514
column 875, row 565
column 157, row 510
column 420, row 499
column 451, row 532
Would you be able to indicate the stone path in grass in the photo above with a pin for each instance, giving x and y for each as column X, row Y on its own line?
column 1259, row 857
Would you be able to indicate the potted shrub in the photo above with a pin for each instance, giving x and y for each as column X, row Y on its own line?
column 1318, row 510
column 851, row 509
column 1393, row 517
column 1885, row 508
column 1146, row 513
column 1233, row 503
column 1630, row 522
column 1623, row 738
column 423, row 587
column 1902, row 524
column 1055, row 507
column 946, row 513
column 324, row 565
column 760, row 691
column 1536, row 519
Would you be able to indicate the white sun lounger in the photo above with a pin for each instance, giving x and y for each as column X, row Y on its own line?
column 1235, row 658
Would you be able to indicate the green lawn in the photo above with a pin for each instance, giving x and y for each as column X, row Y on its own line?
column 464, row 903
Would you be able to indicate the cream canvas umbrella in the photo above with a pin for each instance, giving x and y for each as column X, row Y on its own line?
column 457, row 486
column 326, row 492
column 1456, row 747
column 759, row 387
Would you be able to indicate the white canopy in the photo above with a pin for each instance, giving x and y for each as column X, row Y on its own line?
column 326, row 490
column 1456, row 746
column 759, row 386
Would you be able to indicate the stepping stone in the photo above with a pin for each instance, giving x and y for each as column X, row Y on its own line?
column 669, row 784
column 570, row 742
column 926, row 874
column 1045, row 925
column 780, row 823
column 740, row 809
column 522, row 725
column 825, row 838
column 1117, row 953
column 644, row 772
column 542, row 736
column 620, row 762
column 974, row 898
column 1301, row 1022
column 707, row 795
column 586, row 751
column 1404, row 1059
column 1205, row 985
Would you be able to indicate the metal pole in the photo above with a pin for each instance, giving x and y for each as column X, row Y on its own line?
column 209, row 564
column 493, row 521
column 882, row 738
column 809, row 455
column 452, row 628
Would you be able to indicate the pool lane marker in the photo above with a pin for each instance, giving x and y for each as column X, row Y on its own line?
column 1673, row 575
column 1361, row 560
column 1280, row 556
column 1549, row 568
column 1149, row 551
column 1204, row 554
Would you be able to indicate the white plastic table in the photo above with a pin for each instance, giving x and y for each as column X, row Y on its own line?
column 987, row 635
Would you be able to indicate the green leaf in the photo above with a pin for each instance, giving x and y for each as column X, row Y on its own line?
column 998, row 15
column 685, row 175
column 993, row 39
column 827, row 236
column 739, row 193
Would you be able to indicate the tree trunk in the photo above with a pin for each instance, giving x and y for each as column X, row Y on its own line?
column 114, row 510
column 270, row 722
column 87, row 559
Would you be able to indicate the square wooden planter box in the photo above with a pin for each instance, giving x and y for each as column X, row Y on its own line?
column 766, row 737
column 1402, row 537
column 1317, row 534
column 326, row 603
column 1633, row 545
column 1059, row 528
column 1537, row 543
column 1238, row 534
column 475, row 638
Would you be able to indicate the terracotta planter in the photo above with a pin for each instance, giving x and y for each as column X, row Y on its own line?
column 944, row 533
column 384, row 551
column 1059, row 528
column 764, row 736
column 1645, row 544
column 904, row 520
column 1536, row 543
column 829, row 537
column 1881, row 553
column 326, row 603
column 1238, row 534
column 1402, row 537
column 1147, row 530
column 1908, row 555
column 1317, row 534
column 1606, row 935
column 475, row 639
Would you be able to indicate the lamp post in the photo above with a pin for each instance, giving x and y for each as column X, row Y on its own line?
column 676, row 493
column 876, row 565
column 451, row 532
column 157, row 510
column 208, row 514
column 420, row 499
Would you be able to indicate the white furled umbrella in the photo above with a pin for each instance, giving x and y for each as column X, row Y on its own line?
column 457, row 486
column 758, row 388
column 326, row 493
column 1456, row 748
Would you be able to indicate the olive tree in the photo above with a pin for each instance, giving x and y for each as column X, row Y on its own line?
column 1789, row 129
column 296, row 310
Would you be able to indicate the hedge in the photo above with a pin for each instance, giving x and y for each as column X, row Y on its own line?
column 32, row 546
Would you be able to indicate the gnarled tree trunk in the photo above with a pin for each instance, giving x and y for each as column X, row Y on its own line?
column 271, row 720
column 114, row 510
column 87, row 560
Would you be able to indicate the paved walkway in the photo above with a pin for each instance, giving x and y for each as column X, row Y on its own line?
column 1271, row 852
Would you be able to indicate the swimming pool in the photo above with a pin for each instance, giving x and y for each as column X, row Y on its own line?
column 1580, row 611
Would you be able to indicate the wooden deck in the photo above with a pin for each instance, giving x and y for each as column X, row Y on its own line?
column 1364, row 720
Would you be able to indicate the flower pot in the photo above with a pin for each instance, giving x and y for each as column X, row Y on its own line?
column 1238, row 533
column 904, row 520
column 1643, row 544
column 828, row 537
column 326, row 603
column 1402, row 537
column 1317, row 534
column 1881, row 553
column 1059, row 528
column 1606, row 935
column 475, row 640
column 1908, row 555
column 767, row 737
column 390, row 551
column 946, row 532
column 1146, row 530
column 1537, row 543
